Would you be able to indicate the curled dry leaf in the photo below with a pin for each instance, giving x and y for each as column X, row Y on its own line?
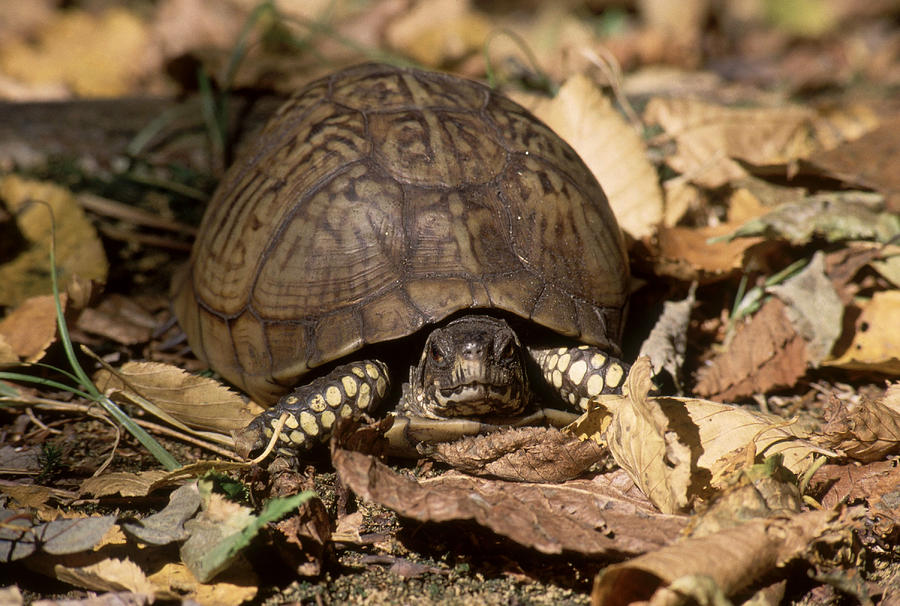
column 734, row 558
column 834, row 216
column 688, row 254
column 708, row 136
column 528, row 454
column 642, row 444
column 111, row 574
column 197, row 401
column 120, row 319
column 876, row 340
column 124, row 483
column 673, row 447
column 611, row 148
column 766, row 352
column 866, row 431
column 438, row 32
column 75, row 46
column 813, row 307
column 869, row 161
column 78, row 248
column 31, row 328
column 578, row 516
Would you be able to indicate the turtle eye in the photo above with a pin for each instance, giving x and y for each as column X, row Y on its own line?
column 437, row 356
column 506, row 349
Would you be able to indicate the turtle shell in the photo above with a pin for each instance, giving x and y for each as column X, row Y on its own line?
column 379, row 200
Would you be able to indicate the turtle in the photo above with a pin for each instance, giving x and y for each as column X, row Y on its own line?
column 380, row 206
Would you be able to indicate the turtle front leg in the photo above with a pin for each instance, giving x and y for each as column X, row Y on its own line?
column 348, row 391
column 580, row 373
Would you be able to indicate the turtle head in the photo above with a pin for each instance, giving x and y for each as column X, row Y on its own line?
column 473, row 366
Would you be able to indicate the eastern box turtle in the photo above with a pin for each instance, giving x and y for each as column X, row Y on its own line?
column 379, row 201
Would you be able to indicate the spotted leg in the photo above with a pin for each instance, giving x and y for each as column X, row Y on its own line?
column 580, row 373
column 350, row 390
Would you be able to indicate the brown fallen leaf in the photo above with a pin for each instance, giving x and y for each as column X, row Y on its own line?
column 642, row 444
column 766, row 352
column 673, row 448
column 834, row 484
column 118, row 318
column 866, row 161
column 866, row 431
column 528, row 454
column 734, row 558
column 578, row 515
column 75, row 47
column 78, row 248
column 687, row 253
column 30, row 328
column 876, row 340
column 110, row 574
column 197, row 401
column 813, row 308
column 303, row 538
column 124, row 483
column 709, row 136
column 437, row 32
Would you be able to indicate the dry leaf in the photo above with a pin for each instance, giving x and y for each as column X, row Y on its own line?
column 733, row 558
column 31, row 328
column 766, row 352
column 197, row 401
column 813, row 307
column 28, row 495
column 853, row 483
column 240, row 584
column 866, row 431
column 688, row 254
column 641, row 443
column 834, row 216
column 611, row 148
column 75, row 47
column 121, row 482
column 673, row 447
column 876, row 340
column 869, row 161
column 437, row 32
column 120, row 319
column 107, row 575
column 577, row 516
column 528, row 454
column 78, row 248
column 709, row 136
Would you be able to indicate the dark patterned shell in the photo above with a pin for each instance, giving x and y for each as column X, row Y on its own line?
column 379, row 200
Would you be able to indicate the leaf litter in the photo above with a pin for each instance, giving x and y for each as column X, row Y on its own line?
column 675, row 496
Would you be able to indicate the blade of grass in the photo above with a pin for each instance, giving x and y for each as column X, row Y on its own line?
column 146, row 440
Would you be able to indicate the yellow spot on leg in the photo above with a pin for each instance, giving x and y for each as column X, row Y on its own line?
column 598, row 360
column 290, row 422
column 365, row 396
column 298, row 437
column 614, row 375
column 349, row 384
column 372, row 371
column 359, row 372
column 576, row 371
column 327, row 419
column 308, row 424
column 316, row 403
column 563, row 363
column 557, row 379
column 333, row 396
column 381, row 386
column 346, row 412
column 595, row 384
